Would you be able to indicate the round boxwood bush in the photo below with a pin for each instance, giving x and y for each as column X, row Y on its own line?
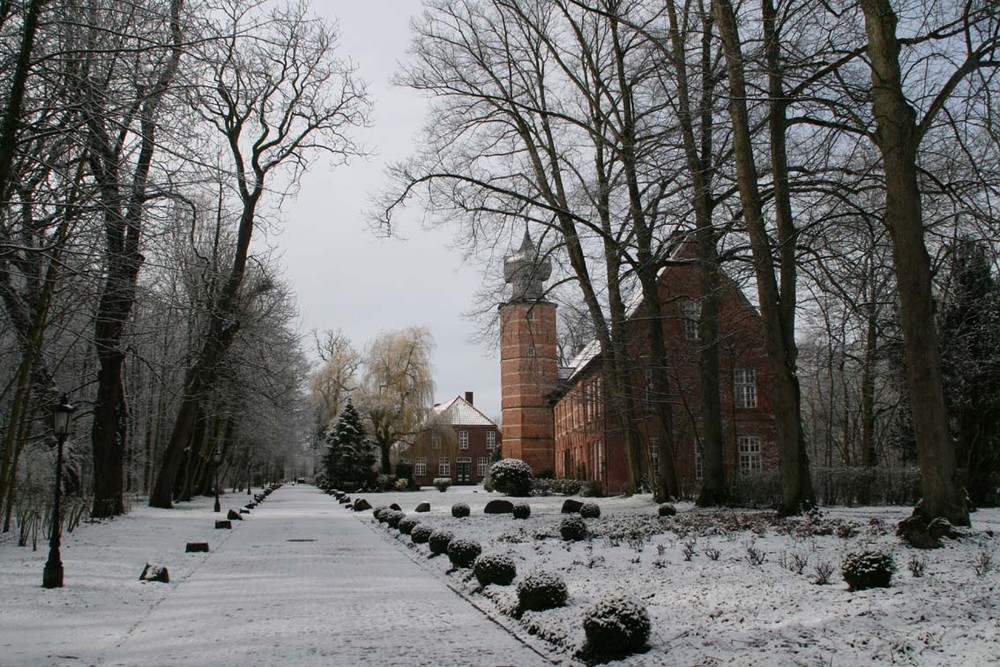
column 459, row 510
column 521, row 510
column 867, row 569
column 573, row 528
column 393, row 517
column 439, row 540
column 590, row 510
column 511, row 477
column 379, row 513
column 539, row 591
column 666, row 509
column 407, row 524
column 421, row 533
column 463, row 553
column 616, row 625
column 494, row 569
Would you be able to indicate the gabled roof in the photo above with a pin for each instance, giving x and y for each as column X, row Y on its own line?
column 459, row 412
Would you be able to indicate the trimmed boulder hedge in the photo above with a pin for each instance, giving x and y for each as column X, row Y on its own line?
column 494, row 569
column 463, row 553
column 539, row 591
column 615, row 626
column 499, row 507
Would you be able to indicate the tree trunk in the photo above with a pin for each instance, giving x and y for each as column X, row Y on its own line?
column 898, row 140
column 797, row 491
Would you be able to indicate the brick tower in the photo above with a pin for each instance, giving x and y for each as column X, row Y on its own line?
column 528, row 362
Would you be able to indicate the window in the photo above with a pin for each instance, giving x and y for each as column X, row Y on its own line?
column 654, row 457
column 420, row 467
column 692, row 319
column 749, row 453
column 530, row 315
column 444, row 467
column 648, row 392
column 531, row 351
column 745, row 388
column 482, row 465
column 491, row 440
column 463, row 439
column 435, row 441
column 598, row 452
column 699, row 465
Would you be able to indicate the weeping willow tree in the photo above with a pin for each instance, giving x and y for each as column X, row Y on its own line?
column 397, row 387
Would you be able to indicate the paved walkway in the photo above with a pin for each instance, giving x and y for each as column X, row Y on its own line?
column 303, row 582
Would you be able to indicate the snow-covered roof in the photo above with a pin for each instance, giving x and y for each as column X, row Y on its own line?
column 459, row 412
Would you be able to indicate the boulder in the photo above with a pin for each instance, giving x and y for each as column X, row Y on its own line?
column 224, row 524
column 666, row 509
column 571, row 506
column 395, row 506
column 915, row 531
column 499, row 507
column 234, row 516
column 360, row 505
column 423, row 507
column 244, row 510
column 155, row 572
column 196, row 547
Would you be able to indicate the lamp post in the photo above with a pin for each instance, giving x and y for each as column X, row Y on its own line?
column 218, row 460
column 52, row 576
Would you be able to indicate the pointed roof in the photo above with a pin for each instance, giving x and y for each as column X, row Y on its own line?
column 459, row 412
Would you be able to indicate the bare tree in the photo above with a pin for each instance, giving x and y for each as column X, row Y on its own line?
column 276, row 98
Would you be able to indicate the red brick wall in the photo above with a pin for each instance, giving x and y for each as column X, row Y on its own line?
column 528, row 367
column 741, row 346
column 478, row 440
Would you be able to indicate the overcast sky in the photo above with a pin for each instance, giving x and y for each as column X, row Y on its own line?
column 346, row 278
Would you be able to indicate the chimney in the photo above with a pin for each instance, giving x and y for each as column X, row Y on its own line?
column 468, row 398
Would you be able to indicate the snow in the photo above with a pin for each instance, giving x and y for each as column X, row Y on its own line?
column 306, row 581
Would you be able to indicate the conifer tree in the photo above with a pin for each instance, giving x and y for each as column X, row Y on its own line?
column 349, row 460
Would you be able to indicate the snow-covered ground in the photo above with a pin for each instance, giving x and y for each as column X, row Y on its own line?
column 306, row 582
column 719, row 608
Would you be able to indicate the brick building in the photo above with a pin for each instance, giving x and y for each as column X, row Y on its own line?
column 459, row 442
column 558, row 418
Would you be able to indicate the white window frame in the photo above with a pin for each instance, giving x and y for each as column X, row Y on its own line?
column 420, row 467
column 744, row 388
column 435, row 441
column 444, row 467
column 750, row 457
column 463, row 439
column 482, row 465
column 530, row 352
column 491, row 440
column 692, row 318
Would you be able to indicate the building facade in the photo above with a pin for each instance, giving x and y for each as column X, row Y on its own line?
column 587, row 440
column 459, row 442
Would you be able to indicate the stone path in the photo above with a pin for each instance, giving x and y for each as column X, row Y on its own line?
column 302, row 582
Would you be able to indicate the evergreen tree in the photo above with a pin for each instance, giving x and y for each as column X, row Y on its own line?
column 969, row 324
column 349, row 461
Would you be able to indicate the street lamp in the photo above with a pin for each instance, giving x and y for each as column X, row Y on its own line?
column 218, row 460
column 52, row 576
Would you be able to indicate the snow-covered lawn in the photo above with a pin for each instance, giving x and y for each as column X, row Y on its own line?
column 710, row 598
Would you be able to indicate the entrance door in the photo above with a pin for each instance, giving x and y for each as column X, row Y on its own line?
column 465, row 471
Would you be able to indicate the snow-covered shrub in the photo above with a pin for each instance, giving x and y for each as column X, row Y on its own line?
column 459, row 510
column 393, row 517
column 590, row 511
column 494, row 569
column 521, row 510
column 379, row 513
column 407, row 524
column 421, row 533
column 511, row 477
column 867, row 569
column 441, row 483
column 463, row 553
column 402, row 484
column 617, row 625
column 539, row 591
column 573, row 528
column 439, row 541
